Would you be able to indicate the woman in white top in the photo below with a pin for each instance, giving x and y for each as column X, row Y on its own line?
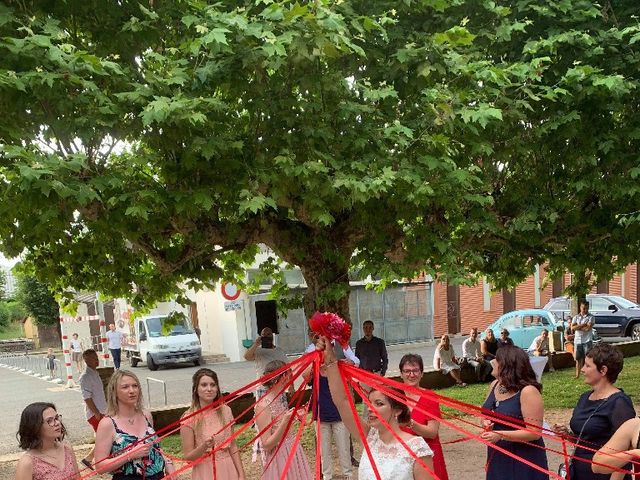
column 392, row 459
column 444, row 359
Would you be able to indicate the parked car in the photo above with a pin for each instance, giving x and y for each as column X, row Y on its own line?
column 525, row 325
column 615, row 315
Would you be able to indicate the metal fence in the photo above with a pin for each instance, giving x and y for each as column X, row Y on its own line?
column 401, row 314
column 35, row 365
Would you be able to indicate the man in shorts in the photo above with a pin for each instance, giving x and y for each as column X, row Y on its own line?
column 582, row 328
column 95, row 403
column 76, row 352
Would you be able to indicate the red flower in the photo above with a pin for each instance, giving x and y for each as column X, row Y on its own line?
column 331, row 326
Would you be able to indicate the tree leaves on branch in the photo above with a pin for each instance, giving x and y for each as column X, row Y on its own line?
column 145, row 146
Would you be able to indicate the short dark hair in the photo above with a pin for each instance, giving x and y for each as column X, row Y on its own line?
column 412, row 358
column 515, row 371
column 367, row 322
column 606, row 355
column 31, row 421
column 88, row 351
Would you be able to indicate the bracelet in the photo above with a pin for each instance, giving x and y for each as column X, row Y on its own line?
column 327, row 365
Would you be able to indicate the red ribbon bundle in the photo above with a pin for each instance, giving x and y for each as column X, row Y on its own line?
column 331, row 326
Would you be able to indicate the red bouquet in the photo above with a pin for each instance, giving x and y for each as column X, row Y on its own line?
column 331, row 326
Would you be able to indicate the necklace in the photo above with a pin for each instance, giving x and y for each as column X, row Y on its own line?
column 502, row 390
column 131, row 420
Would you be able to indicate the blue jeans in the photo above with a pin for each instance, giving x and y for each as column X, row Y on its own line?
column 115, row 354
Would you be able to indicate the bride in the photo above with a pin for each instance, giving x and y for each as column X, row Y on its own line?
column 393, row 461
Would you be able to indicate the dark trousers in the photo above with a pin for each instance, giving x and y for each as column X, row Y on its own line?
column 115, row 354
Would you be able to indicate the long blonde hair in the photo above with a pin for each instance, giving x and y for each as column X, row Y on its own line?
column 112, row 392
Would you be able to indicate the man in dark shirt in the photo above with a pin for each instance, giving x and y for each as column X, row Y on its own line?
column 372, row 351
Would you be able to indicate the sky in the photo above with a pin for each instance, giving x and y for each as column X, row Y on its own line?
column 6, row 262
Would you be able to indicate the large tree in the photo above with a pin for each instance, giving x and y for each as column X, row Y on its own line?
column 147, row 144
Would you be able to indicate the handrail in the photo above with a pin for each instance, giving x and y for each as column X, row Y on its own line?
column 164, row 386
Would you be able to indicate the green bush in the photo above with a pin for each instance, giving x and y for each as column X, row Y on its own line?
column 10, row 312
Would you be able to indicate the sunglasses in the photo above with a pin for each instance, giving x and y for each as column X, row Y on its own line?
column 51, row 421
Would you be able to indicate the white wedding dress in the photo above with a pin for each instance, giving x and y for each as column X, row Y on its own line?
column 393, row 461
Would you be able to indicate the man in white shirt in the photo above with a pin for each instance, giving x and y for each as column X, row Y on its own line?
column 540, row 347
column 76, row 352
column 95, row 403
column 582, row 327
column 115, row 345
column 472, row 354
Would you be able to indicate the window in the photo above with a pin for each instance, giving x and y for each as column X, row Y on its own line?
column 512, row 322
column 535, row 320
column 599, row 304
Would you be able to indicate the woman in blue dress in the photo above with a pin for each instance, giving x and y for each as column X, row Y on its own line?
column 515, row 393
column 599, row 412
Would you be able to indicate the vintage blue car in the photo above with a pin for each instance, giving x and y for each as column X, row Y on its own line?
column 525, row 325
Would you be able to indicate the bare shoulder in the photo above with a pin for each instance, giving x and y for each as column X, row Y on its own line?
column 148, row 416
column 24, row 469
column 530, row 392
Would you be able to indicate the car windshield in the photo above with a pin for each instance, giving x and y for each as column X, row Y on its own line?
column 163, row 326
column 557, row 304
column 623, row 302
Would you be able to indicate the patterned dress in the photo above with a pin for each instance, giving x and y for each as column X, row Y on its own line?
column 43, row 470
column 152, row 468
column 274, row 461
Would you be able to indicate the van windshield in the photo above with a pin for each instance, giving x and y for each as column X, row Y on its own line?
column 163, row 326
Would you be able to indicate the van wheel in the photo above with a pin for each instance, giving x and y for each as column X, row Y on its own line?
column 151, row 364
column 134, row 361
column 197, row 362
column 635, row 332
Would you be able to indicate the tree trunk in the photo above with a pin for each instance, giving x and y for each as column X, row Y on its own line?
column 327, row 288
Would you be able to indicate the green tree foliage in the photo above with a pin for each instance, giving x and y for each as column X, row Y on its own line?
column 11, row 312
column 36, row 300
column 3, row 285
column 150, row 144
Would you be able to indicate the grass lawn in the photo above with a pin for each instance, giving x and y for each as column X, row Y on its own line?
column 13, row 330
column 560, row 388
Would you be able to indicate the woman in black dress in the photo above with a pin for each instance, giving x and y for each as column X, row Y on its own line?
column 515, row 393
column 599, row 412
column 489, row 345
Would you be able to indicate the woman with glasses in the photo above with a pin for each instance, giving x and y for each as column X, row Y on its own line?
column 126, row 443
column 425, row 411
column 516, row 394
column 41, row 433
column 504, row 339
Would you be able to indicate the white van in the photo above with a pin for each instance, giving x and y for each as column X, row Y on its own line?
column 162, row 340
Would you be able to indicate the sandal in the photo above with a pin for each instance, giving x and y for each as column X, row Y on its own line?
column 461, row 384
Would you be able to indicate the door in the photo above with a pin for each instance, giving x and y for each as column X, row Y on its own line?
column 607, row 321
column 267, row 315
column 453, row 308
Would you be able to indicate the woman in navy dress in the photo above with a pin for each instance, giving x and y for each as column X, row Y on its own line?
column 515, row 393
column 600, row 411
